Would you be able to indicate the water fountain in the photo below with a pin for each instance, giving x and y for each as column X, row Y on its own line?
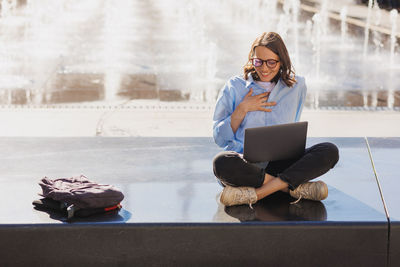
column 393, row 39
column 316, row 42
column 107, row 51
column 7, row 8
column 284, row 20
column 367, row 26
column 377, row 36
column 324, row 17
column 343, row 25
column 295, row 17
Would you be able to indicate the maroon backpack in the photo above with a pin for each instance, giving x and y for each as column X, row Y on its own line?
column 80, row 194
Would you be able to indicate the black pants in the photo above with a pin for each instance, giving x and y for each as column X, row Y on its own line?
column 231, row 168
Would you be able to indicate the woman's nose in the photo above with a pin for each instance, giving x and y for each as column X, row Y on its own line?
column 264, row 66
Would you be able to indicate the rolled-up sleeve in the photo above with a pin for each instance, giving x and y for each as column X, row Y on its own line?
column 222, row 130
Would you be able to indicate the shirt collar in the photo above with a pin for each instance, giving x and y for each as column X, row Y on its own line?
column 250, row 81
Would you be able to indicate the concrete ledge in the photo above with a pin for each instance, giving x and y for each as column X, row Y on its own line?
column 280, row 244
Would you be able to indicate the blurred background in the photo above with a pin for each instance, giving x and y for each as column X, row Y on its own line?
column 155, row 67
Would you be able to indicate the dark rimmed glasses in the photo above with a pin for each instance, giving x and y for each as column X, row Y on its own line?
column 271, row 63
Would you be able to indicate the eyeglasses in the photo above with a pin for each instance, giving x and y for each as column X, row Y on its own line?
column 271, row 63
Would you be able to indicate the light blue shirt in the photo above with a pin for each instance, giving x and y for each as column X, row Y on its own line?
column 289, row 104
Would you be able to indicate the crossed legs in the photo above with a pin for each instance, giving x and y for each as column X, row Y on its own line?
column 271, row 185
column 233, row 170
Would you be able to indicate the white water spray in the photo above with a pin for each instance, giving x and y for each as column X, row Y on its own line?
column 316, row 42
column 367, row 26
column 343, row 25
column 324, row 17
column 376, row 35
column 393, row 34
column 295, row 18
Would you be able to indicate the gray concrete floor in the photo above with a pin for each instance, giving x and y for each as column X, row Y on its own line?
column 171, row 180
column 155, row 118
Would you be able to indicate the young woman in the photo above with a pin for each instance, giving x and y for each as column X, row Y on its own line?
column 268, row 93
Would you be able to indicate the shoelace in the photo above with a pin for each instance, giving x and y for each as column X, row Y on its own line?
column 296, row 201
column 246, row 194
column 304, row 193
column 249, row 198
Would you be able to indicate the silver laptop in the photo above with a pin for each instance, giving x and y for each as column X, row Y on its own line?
column 276, row 142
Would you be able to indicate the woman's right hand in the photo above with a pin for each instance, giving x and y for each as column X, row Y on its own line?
column 250, row 103
column 256, row 102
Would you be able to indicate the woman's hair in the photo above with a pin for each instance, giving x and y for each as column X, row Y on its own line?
column 275, row 43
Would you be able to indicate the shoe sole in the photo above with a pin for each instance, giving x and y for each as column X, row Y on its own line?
column 324, row 189
column 222, row 197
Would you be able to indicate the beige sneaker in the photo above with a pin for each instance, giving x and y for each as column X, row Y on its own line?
column 231, row 196
column 311, row 190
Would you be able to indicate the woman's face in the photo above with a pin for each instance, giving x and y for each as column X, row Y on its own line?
column 265, row 71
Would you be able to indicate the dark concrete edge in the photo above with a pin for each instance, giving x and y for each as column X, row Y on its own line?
column 314, row 224
column 239, row 245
